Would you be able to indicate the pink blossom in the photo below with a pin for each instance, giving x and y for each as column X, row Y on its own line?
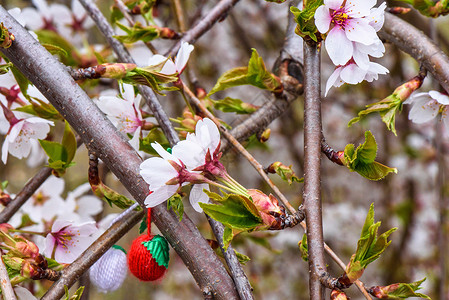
column 66, row 241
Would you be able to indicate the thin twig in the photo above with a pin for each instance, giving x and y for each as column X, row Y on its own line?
column 217, row 13
column 179, row 13
column 241, row 281
column 103, row 139
column 28, row 190
column 224, row 131
column 124, row 10
column 5, row 283
column 414, row 42
column 312, row 163
column 124, row 56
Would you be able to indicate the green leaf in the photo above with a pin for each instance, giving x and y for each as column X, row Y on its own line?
column 151, row 77
column 175, row 203
column 107, row 194
column 41, row 109
column 154, row 135
column 228, row 235
column 361, row 160
column 285, row 172
column 255, row 74
column 137, row 33
column 60, row 156
column 229, row 104
column 158, row 248
column 69, row 142
column 430, row 8
column 4, row 185
column 398, row 290
column 49, row 37
column 303, row 248
column 305, row 19
column 4, row 68
column 231, row 78
column 22, row 81
column 369, row 247
column 76, row 296
column 53, row 49
column 143, row 224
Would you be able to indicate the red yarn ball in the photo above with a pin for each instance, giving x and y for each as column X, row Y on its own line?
column 141, row 263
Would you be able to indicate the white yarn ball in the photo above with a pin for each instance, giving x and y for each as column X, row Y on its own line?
column 109, row 272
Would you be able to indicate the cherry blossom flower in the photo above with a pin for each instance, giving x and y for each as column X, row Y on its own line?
column 352, row 21
column 79, row 207
column 351, row 73
column 22, row 129
column 426, row 106
column 45, row 16
column 166, row 175
column 178, row 65
column 46, row 203
column 66, row 241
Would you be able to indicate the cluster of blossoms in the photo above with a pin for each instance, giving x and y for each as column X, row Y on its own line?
column 67, row 226
column 351, row 28
column 192, row 161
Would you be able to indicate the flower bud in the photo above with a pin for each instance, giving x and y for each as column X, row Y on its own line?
column 264, row 136
column 382, row 292
column 117, row 71
column 5, row 227
column 13, row 262
column 5, row 199
column 27, row 249
column 338, row 295
column 31, row 270
column 269, row 208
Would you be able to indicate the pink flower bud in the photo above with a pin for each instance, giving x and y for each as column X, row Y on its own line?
column 269, row 208
column 27, row 249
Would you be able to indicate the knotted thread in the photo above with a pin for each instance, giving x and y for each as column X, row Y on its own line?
column 140, row 261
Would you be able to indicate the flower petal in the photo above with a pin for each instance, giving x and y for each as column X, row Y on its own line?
column 359, row 30
column 333, row 4
column 163, row 153
column 160, row 195
column 352, row 74
column 183, row 56
column 197, row 195
column 157, row 171
column 338, row 46
column 322, row 19
column 423, row 110
column 441, row 98
column 332, row 79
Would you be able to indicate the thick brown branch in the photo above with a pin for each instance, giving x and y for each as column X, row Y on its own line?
column 312, row 164
column 102, row 138
column 125, row 57
column 414, row 42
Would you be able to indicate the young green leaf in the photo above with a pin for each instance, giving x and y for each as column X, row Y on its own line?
column 398, row 290
column 69, row 142
column 41, row 109
column 158, row 247
column 369, row 247
column 303, row 248
column 4, row 68
column 255, row 74
column 285, row 172
column 229, row 104
column 175, row 203
column 361, row 160
column 49, row 37
column 154, row 135
column 388, row 107
column 305, row 20
column 137, row 33
column 430, row 8
column 22, row 81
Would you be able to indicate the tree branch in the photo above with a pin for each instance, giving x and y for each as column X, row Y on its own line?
column 217, row 13
column 414, row 42
column 312, row 163
column 102, row 138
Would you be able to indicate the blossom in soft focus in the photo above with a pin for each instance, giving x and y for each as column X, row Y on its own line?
column 109, row 272
column 426, row 106
column 80, row 207
column 352, row 73
column 347, row 22
column 124, row 112
column 45, row 16
column 67, row 241
column 179, row 63
column 20, row 133
column 46, row 203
